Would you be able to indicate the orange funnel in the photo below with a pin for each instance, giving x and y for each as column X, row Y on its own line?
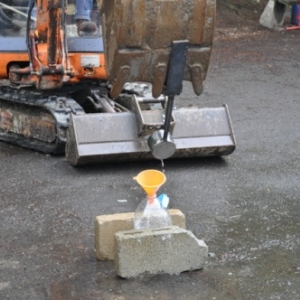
column 150, row 181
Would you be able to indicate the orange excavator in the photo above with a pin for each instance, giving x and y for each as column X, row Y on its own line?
column 106, row 91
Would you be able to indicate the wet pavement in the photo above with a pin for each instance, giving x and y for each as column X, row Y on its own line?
column 244, row 206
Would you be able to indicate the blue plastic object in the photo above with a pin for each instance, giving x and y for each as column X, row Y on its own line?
column 163, row 200
column 295, row 14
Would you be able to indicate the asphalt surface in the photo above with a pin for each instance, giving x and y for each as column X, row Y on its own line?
column 244, row 206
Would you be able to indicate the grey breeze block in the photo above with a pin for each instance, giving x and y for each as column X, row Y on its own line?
column 153, row 251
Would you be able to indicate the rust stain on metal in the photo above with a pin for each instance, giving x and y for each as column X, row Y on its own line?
column 5, row 120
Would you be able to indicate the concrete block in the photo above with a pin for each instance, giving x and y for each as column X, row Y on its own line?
column 154, row 251
column 107, row 225
column 273, row 15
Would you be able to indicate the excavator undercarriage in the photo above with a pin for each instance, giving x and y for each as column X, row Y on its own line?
column 109, row 95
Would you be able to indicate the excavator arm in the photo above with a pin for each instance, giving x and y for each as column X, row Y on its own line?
column 47, row 50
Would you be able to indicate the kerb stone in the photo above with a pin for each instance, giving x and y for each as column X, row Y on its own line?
column 168, row 250
column 107, row 225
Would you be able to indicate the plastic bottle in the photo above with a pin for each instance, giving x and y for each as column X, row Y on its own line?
column 151, row 214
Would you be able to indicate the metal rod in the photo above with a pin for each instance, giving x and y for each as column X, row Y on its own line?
column 169, row 109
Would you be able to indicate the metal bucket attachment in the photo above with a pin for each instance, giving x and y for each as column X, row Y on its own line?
column 138, row 36
column 115, row 137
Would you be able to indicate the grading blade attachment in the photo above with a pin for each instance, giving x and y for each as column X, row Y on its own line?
column 115, row 136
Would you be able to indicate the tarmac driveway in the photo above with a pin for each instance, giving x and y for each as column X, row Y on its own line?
column 245, row 206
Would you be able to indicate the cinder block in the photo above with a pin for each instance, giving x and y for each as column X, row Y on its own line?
column 107, row 225
column 153, row 251
column 273, row 15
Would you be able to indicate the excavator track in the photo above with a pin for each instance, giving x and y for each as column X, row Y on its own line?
column 35, row 120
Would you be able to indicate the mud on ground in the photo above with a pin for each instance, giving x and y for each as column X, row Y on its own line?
column 237, row 24
column 239, row 13
column 236, row 18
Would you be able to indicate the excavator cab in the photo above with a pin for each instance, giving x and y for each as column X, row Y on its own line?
column 13, row 18
column 103, row 89
column 15, row 13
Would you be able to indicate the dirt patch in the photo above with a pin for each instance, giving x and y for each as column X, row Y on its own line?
column 232, row 12
column 239, row 37
column 236, row 18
